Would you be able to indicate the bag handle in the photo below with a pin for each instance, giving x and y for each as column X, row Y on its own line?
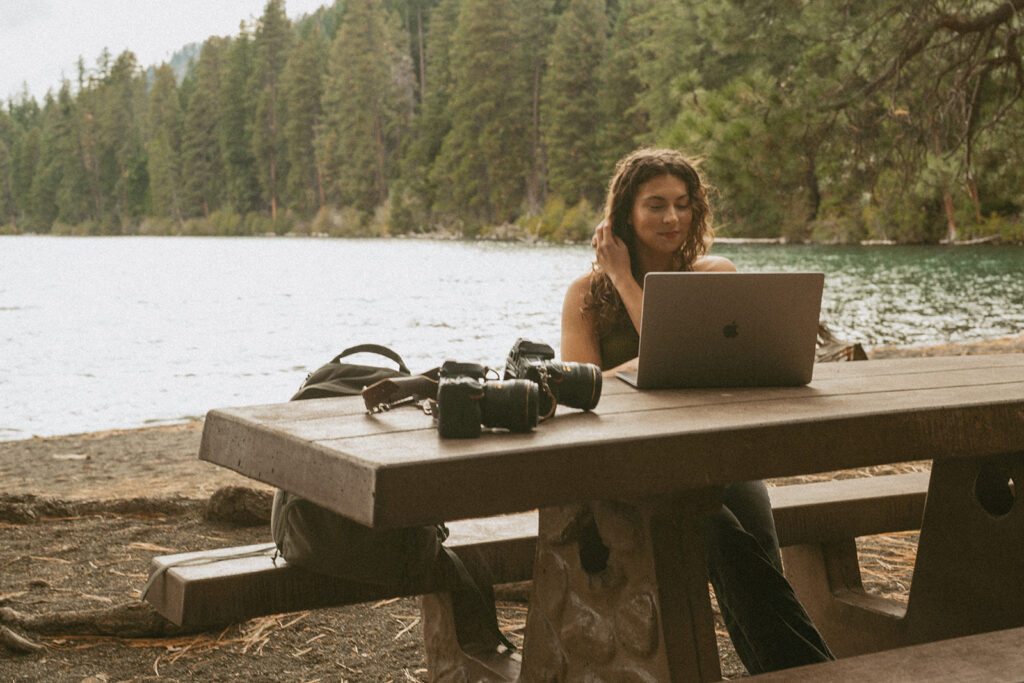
column 374, row 348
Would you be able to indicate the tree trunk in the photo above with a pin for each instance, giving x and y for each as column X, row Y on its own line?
column 378, row 134
column 947, row 205
column 533, row 180
column 320, row 185
column 972, row 192
column 813, row 189
column 423, row 55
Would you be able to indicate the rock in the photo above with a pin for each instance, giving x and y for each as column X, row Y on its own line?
column 239, row 505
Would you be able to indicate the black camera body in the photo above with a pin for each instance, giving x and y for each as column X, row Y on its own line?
column 577, row 385
column 466, row 400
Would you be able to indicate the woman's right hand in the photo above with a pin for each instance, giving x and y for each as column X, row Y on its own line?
column 613, row 259
column 611, row 253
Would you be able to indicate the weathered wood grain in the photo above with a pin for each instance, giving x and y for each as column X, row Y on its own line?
column 392, row 469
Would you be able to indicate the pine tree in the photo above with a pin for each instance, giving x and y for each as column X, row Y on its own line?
column 19, row 130
column 572, row 103
column 98, row 159
column 663, row 65
column 202, row 180
column 433, row 121
column 625, row 125
column 7, row 128
column 118, row 99
column 271, row 46
column 7, row 211
column 415, row 17
column 24, row 111
column 164, row 145
column 27, row 151
column 367, row 104
column 39, row 205
column 303, row 88
column 63, row 192
column 486, row 156
column 235, row 129
column 536, row 24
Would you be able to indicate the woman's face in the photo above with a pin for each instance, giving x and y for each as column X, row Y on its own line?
column 661, row 214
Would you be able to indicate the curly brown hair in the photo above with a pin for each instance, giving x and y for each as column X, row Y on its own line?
column 603, row 300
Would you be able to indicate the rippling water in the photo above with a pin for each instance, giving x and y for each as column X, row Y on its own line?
column 910, row 296
column 99, row 333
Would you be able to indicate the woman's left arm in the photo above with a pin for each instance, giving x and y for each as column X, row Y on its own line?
column 579, row 335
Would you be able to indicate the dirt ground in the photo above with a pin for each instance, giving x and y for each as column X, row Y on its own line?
column 81, row 516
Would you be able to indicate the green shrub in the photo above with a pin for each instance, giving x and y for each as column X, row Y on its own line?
column 224, row 222
column 258, row 224
column 83, row 229
column 833, row 230
column 158, row 226
column 380, row 224
column 1009, row 229
column 407, row 212
column 300, row 226
column 551, row 217
column 344, row 222
column 284, row 222
column 577, row 224
column 322, row 221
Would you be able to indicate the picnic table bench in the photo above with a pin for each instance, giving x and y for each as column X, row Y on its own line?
column 993, row 657
column 640, row 449
column 206, row 589
column 210, row 588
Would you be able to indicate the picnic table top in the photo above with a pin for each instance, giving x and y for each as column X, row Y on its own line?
column 392, row 469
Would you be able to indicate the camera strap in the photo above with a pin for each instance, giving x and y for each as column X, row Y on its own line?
column 398, row 391
column 545, row 386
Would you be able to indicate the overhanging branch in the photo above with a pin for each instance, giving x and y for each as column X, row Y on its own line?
column 989, row 21
column 1000, row 15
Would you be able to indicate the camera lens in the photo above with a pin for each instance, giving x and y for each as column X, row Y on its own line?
column 510, row 404
column 577, row 385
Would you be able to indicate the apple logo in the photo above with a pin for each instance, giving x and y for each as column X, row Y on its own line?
column 731, row 330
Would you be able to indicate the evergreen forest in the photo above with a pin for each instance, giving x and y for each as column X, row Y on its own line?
column 831, row 122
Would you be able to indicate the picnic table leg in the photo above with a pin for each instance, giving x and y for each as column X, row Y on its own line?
column 826, row 577
column 620, row 593
column 970, row 557
column 966, row 576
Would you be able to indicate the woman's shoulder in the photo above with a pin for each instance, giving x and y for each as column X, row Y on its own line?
column 713, row 264
column 580, row 285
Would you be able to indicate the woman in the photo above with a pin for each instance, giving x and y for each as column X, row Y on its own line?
column 657, row 218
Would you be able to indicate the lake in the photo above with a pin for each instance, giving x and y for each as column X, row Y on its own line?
column 118, row 332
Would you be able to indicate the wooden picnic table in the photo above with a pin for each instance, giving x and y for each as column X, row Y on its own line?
column 645, row 466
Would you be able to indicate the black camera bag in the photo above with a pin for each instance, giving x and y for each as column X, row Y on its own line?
column 403, row 560
column 337, row 378
column 323, row 541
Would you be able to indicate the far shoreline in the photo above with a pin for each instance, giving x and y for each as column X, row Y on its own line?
column 513, row 235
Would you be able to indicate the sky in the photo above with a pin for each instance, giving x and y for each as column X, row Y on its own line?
column 41, row 40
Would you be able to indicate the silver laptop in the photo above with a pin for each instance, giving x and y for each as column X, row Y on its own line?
column 727, row 330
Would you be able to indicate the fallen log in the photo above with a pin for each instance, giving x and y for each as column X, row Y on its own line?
column 130, row 620
column 18, row 643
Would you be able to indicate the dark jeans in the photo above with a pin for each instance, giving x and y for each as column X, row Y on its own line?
column 767, row 624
